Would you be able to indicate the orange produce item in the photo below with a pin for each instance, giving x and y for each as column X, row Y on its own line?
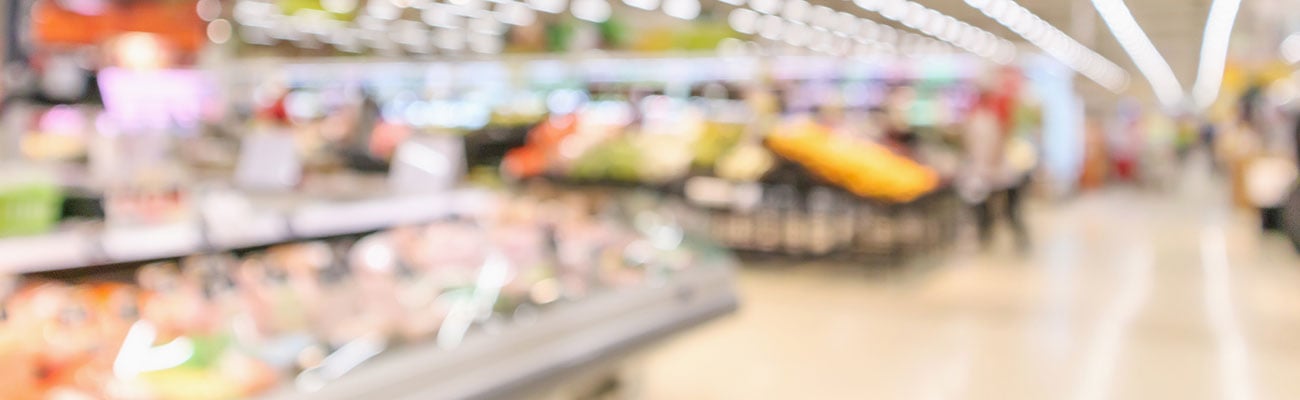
column 863, row 168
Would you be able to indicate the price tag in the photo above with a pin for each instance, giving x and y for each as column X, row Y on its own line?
column 49, row 251
column 268, row 161
column 476, row 202
column 427, row 164
column 361, row 216
column 248, row 231
column 708, row 191
column 150, row 242
column 746, row 196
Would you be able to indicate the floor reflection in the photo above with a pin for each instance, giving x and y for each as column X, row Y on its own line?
column 1128, row 293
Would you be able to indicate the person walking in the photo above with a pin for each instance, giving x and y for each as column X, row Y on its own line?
column 993, row 183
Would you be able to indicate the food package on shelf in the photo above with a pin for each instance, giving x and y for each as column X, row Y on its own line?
column 30, row 201
column 863, row 168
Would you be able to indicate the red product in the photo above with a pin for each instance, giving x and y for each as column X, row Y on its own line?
column 535, row 157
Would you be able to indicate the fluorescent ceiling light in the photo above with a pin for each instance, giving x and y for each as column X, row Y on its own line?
column 1290, row 48
column 1056, row 43
column 1214, row 51
column 743, row 20
column 823, row 29
column 590, row 10
column 919, row 17
column 1139, row 47
column 682, row 9
column 642, row 4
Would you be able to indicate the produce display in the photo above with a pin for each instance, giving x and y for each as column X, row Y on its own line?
column 863, row 168
column 230, row 326
column 714, row 142
column 602, row 143
column 617, row 159
column 633, row 157
column 746, row 162
column 539, row 151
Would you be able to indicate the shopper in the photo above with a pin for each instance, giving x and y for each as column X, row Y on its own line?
column 899, row 134
column 990, row 183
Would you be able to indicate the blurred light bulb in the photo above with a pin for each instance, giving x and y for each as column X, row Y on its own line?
column 845, row 23
column 935, row 23
column 338, row 6
column 254, row 13
column 868, row 30
column 591, row 10
column 515, row 13
column 796, row 33
column 682, row 9
column 219, row 31
column 208, row 10
column 869, row 5
column 894, row 9
column 951, row 29
column 138, row 51
column 770, row 26
column 765, row 6
column 642, row 4
column 795, row 10
column 743, row 20
column 1290, row 48
column 997, row 10
column 823, row 17
column 439, row 16
column 548, row 6
column 383, row 10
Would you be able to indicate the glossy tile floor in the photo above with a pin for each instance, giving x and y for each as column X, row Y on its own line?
column 1126, row 294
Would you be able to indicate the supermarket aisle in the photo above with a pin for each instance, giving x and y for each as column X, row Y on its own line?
column 1127, row 295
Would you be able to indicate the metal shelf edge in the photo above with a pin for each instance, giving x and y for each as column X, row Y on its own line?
column 562, row 340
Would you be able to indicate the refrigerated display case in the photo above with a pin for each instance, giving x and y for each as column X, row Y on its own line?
column 325, row 299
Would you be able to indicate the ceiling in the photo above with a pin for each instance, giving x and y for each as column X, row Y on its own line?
column 1174, row 26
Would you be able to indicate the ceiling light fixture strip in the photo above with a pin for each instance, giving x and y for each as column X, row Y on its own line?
column 821, row 29
column 944, row 27
column 771, row 18
column 446, row 27
column 1139, row 47
column 1056, row 43
column 1214, row 51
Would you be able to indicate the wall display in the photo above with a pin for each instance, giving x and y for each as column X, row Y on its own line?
column 94, row 22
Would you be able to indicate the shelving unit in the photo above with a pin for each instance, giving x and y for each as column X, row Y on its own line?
column 91, row 247
column 501, row 359
column 521, row 357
